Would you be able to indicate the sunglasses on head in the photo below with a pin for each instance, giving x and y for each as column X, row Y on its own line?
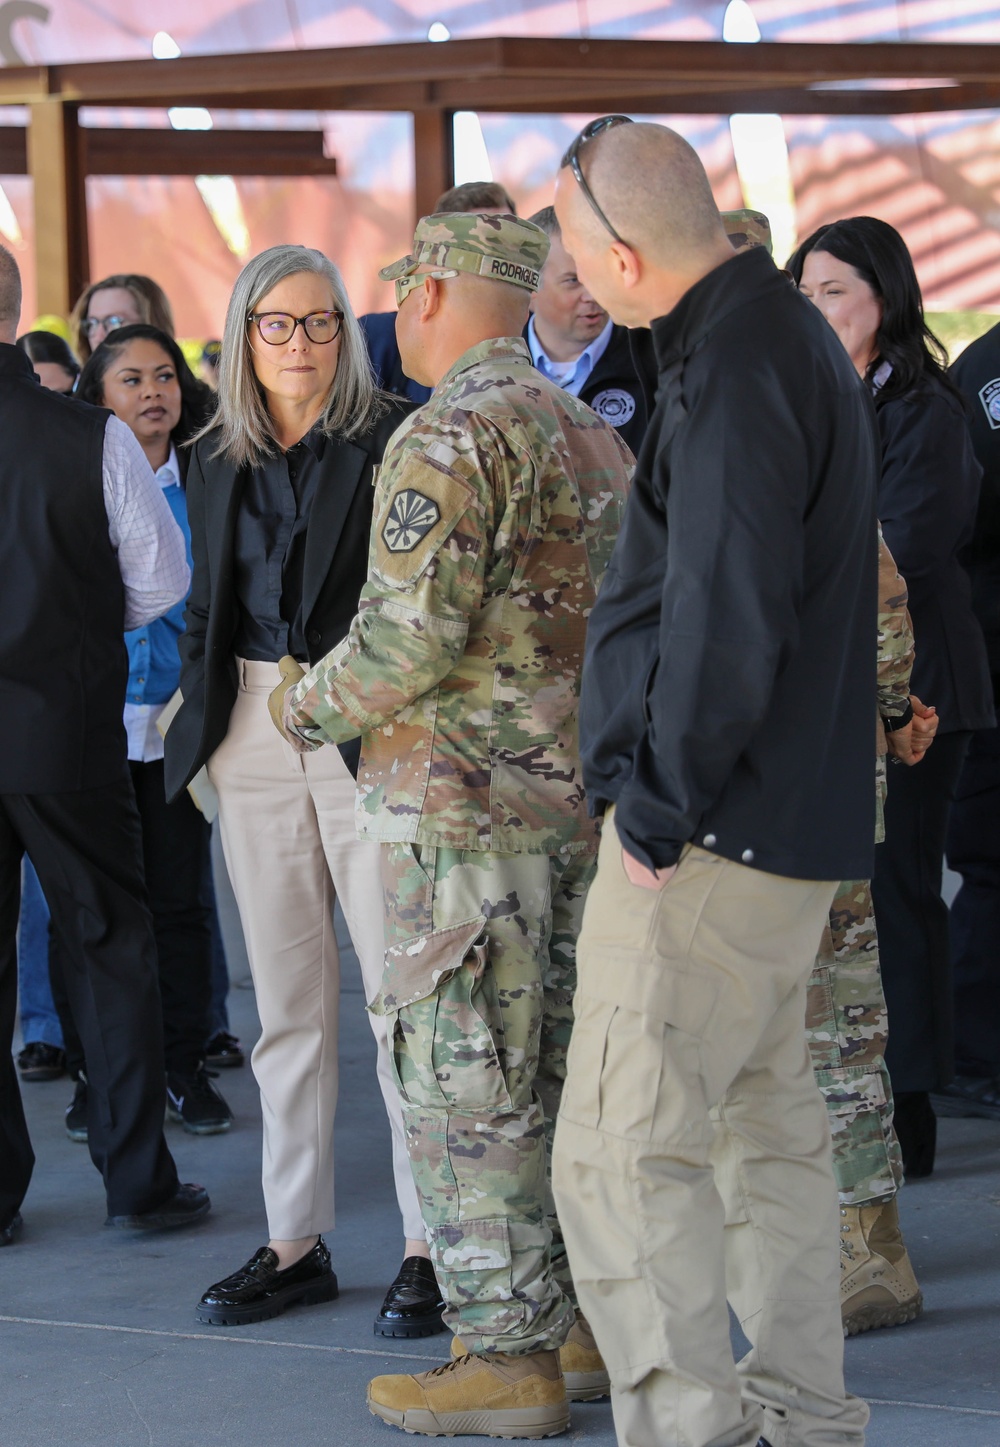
column 572, row 160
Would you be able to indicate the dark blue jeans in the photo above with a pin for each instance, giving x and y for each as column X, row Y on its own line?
column 39, row 1020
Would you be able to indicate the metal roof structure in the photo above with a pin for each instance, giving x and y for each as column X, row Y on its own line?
column 431, row 81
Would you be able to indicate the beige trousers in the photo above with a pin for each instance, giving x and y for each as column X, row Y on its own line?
column 692, row 1159
column 287, row 825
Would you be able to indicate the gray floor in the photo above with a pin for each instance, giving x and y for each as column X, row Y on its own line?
column 99, row 1346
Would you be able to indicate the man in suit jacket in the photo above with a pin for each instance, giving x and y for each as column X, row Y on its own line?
column 89, row 549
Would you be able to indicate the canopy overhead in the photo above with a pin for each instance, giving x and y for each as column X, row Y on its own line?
column 432, row 81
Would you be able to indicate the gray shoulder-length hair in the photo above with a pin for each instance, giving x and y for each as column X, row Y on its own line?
column 241, row 422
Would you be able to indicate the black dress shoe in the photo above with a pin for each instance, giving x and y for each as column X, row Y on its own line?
column 39, row 1061
column 259, row 1290
column 413, row 1303
column 10, row 1232
column 969, row 1095
column 76, row 1111
column 224, row 1050
column 187, row 1205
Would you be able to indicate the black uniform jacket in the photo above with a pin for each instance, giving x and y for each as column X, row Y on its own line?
column 616, row 391
column 977, row 373
column 336, row 566
column 729, row 684
column 927, row 501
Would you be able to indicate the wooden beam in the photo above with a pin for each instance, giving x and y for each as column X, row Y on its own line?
column 487, row 73
column 433, row 158
column 131, row 152
column 138, row 152
column 55, row 161
column 13, row 151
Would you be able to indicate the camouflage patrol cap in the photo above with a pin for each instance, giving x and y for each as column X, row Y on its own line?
column 747, row 228
column 504, row 248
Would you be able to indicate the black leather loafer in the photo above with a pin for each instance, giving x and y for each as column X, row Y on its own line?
column 413, row 1303
column 10, row 1232
column 188, row 1205
column 259, row 1290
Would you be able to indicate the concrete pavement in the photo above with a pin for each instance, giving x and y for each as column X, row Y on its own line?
column 99, row 1346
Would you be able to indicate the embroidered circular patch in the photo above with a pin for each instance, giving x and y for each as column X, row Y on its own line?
column 411, row 517
column 615, row 406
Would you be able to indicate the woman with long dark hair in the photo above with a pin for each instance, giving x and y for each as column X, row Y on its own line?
column 140, row 373
column 860, row 275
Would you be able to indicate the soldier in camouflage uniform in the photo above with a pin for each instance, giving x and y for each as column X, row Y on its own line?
column 846, row 1022
column 497, row 507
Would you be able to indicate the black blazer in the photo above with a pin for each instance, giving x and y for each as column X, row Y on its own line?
column 336, row 567
column 927, row 500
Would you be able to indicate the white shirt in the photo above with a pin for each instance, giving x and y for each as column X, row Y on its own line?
column 570, row 376
column 149, row 545
column 145, row 742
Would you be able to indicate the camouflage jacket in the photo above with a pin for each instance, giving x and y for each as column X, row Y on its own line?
column 895, row 664
column 496, row 510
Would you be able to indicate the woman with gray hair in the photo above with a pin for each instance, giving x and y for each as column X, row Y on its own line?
column 280, row 505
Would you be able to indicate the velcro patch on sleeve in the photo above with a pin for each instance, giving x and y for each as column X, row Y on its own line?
column 418, row 517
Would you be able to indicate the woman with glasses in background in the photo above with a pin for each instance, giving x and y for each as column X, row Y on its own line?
column 280, row 503
column 118, row 301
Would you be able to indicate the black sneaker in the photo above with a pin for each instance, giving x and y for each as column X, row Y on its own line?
column 39, row 1061
column 224, row 1051
column 194, row 1101
column 76, row 1112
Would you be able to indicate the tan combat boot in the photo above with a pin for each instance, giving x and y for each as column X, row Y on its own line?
column 583, row 1368
column 877, row 1284
column 584, row 1372
column 485, row 1396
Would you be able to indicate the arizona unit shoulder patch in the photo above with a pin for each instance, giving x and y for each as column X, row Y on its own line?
column 411, row 516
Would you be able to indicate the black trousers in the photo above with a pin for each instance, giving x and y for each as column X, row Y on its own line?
column 176, row 852
column 912, row 918
column 974, row 853
column 86, row 850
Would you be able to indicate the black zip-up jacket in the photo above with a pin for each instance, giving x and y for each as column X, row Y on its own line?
column 927, row 499
column 729, row 685
column 615, row 390
column 977, row 372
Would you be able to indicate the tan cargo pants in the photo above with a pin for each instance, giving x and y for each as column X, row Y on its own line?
column 692, row 1159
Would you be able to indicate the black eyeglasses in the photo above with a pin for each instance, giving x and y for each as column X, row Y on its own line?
column 572, row 160
column 276, row 328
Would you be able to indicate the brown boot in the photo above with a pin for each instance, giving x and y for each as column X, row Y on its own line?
column 584, row 1372
column 583, row 1368
column 484, row 1396
column 877, row 1284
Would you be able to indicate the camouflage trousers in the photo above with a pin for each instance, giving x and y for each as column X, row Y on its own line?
column 846, row 1029
column 478, row 990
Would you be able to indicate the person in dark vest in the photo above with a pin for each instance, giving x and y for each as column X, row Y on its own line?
column 88, row 549
column 575, row 343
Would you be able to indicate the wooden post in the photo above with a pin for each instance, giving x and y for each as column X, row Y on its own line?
column 433, row 158
column 55, row 162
